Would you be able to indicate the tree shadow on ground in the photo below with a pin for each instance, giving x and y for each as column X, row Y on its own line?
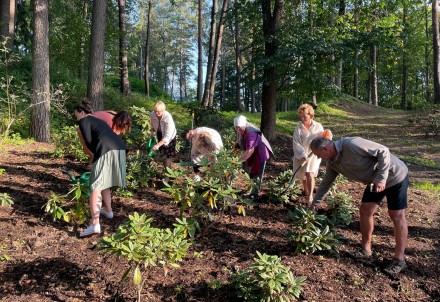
column 54, row 278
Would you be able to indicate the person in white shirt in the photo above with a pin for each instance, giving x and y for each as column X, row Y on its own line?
column 162, row 125
column 205, row 143
column 305, row 163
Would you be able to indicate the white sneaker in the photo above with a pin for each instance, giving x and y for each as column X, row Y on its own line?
column 91, row 230
column 105, row 213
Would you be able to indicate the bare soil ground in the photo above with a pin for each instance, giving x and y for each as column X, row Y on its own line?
column 42, row 260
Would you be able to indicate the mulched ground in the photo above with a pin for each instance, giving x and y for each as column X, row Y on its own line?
column 42, row 260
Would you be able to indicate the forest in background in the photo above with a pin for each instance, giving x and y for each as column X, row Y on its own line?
column 259, row 56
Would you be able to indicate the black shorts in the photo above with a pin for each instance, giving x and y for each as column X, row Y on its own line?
column 397, row 195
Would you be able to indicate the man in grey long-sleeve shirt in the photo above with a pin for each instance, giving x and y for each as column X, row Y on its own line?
column 384, row 174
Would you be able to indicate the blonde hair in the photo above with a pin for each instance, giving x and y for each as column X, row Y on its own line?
column 307, row 109
column 159, row 106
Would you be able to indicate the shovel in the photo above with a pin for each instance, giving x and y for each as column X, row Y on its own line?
column 292, row 179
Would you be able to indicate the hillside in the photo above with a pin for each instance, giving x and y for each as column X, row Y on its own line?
column 42, row 260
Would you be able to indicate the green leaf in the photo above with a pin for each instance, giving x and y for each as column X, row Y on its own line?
column 137, row 277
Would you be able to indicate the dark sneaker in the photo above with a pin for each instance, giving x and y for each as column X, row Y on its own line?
column 396, row 267
column 361, row 254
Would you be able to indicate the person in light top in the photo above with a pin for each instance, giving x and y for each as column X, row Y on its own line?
column 305, row 163
column 205, row 143
column 162, row 125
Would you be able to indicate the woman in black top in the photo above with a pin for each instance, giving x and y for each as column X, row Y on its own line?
column 108, row 168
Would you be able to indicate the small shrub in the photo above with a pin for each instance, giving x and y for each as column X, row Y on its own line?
column 267, row 280
column 281, row 189
column 433, row 123
column 208, row 117
column 145, row 247
column 140, row 170
column 67, row 143
column 73, row 207
column 140, row 131
column 228, row 137
column 203, row 199
column 341, row 209
column 6, row 200
column 311, row 232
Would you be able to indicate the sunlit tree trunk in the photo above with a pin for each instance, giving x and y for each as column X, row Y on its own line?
column 311, row 32
column 200, row 51
column 95, row 86
column 40, row 118
column 253, row 88
column 404, row 58
column 181, row 74
column 123, row 60
column 223, row 89
column 212, row 36
column 82, row 51
column 147, row 52
column 218, row 46
column 373, row 75
column 8, row 9
column 338, row 79
column 356, row 59
column 427, row 93
column 237, row 61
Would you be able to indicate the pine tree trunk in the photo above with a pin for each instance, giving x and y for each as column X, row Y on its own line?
column 200, row 51
column 181, row 74
column 8, row 10
column 123, row 60
column 427, row 93
column 373, row 75
column 356, row 58
column 435, row 46
column 237, row 61
column 212, row 36
column 271, row 27
column 223, row 92
column 218, row 46
column 40, row 118
column 82, row 51
column 404, row 58
column 95, row 87
column 147, row 52
column 253, row 88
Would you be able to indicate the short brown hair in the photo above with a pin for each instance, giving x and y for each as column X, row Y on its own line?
column 122, row 122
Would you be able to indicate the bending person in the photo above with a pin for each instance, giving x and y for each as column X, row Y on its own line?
column 162, row 125
column 108, row 169
column 119, row 122
column 383, row 174
column 206, row 142
column 257, row 150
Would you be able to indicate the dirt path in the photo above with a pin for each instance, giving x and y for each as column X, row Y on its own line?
column 42, row 260
column 393, row 129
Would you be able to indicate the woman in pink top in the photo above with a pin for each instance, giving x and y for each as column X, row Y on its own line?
column 119, row 122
